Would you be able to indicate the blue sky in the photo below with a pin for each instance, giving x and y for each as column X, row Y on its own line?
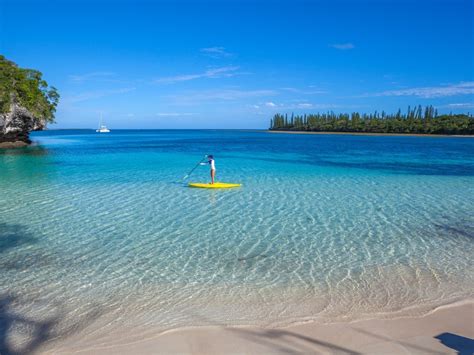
column 233, row 64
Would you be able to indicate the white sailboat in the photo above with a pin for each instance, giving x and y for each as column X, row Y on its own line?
column 102, row 127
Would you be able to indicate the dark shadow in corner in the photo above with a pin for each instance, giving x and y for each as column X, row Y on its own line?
column 39, row 331
column 33, row 331
column 463, row 345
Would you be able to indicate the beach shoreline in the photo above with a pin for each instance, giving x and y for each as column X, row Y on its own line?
column 103, row 261
column 372, row 134
column 451, row 324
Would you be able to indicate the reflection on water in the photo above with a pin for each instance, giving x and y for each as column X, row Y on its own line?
column 33, row 150
column 25, row 163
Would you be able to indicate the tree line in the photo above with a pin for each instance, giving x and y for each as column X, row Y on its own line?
column 417, row 120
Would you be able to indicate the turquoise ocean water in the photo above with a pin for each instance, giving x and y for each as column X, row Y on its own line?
column 325, row 227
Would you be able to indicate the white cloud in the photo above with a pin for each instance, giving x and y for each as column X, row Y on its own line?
column 299, row 105
column 302, row 105
column 304, row 92
column 462, row 105
column 91, row 76
column 463, row 88
column 305, row 105
column 91, row 95
column 219, row 95
column 210, row 73
column 342, row 46
column 216, row 52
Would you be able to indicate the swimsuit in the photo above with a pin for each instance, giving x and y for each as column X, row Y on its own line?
column 211, row 163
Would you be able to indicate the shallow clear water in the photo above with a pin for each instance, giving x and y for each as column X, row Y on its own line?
column 325, row 227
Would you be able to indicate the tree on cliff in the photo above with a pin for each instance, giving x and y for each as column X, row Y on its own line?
column 26, row 88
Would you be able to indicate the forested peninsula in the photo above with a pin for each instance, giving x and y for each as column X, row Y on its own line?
column 417, row 120
column 27, row 103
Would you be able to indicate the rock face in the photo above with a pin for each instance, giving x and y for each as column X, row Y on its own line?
column 16, row 125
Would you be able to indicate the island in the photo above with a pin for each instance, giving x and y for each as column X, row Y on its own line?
column 27, row 103
column 417, row 120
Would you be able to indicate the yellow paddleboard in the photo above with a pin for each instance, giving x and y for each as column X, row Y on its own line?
column 216, row 185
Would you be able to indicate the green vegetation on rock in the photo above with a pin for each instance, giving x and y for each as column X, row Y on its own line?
column 26, row 88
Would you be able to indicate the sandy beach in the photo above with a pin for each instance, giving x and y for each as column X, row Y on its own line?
column 226, row 177
column 445, row 330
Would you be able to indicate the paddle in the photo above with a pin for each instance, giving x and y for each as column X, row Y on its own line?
column 188, row 174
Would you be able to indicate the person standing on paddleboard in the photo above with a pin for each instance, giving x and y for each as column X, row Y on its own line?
column 211, row 162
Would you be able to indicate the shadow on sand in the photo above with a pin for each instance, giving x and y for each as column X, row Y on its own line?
column 24, row 332
column 463, row 345
column 287, row 342
column 284, row 341
column 412, row 347
column 281, row 340
column 21, row 334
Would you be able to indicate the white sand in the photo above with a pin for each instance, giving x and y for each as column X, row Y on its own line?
column 454, row 324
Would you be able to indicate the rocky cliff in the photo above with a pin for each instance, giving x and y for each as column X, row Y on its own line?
column 16, row 125
column 27, row 103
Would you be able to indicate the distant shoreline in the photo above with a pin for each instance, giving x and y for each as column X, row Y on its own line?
column 273, row 131
column 374, row 134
